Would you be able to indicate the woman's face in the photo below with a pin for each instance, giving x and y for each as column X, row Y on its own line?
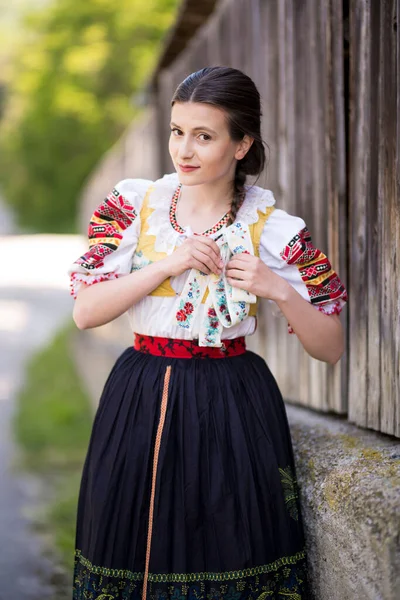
column 200, row 138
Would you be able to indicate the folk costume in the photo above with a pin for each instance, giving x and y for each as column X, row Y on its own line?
column 189, row 487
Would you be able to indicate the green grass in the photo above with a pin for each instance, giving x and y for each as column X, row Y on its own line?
column 52, row 426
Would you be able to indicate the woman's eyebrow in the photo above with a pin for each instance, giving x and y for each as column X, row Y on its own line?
column 195, row 128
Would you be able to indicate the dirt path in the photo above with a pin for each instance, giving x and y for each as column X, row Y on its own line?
column 34, row 303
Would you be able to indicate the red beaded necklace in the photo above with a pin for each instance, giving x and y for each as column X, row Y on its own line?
column 177, row 227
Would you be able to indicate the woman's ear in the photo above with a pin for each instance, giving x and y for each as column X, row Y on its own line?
column 243, row 147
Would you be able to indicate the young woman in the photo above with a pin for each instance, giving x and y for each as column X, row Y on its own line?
column 189, row 486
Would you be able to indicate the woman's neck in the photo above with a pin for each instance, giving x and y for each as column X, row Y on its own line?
column 202, row 206
column 207, row 197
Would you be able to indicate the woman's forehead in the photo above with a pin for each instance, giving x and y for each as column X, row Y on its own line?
column 198, row 115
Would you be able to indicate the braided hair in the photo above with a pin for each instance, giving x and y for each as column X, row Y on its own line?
column 236, row 93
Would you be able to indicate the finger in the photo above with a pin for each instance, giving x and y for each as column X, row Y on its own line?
column 243, row 285
column 236, row 273
column 209, row 246
column 236, row 264
column 213, row 251
column 208, row 265
column 210, row 252
column 207, row 260
column 197, row 264
column 198, row 260
column 244, row 258
column 208, row 241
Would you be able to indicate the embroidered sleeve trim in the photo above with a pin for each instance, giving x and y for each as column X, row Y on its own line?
column 326, row 291
column 105, row 232
column 323, row 283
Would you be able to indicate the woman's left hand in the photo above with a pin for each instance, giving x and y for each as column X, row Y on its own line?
column 250, row 273
column 321, row 335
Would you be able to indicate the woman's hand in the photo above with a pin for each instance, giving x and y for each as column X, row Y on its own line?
column 250, row 273
column 321, row 335
column 197, row 252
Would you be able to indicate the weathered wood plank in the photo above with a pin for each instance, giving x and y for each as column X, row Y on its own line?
column 337, row 243
column 359, row 182
column 374, row 274
column 255, row 39
column 396, row 274
column 388, row 85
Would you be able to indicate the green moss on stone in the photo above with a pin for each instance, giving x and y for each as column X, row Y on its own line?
column 311, row 466
column 337, row 489
column 347, row 475
column 371, row 454
column 349, row 441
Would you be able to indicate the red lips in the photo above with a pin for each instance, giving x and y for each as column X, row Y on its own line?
column 187, row 167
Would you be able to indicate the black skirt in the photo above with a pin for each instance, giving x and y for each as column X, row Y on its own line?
column 189, row 488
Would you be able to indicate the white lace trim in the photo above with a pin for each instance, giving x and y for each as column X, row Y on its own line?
column 78, row 279
column 167, row 238
column 332, row 306
column 257, row 199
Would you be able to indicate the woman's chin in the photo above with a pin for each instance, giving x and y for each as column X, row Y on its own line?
column 189, row 178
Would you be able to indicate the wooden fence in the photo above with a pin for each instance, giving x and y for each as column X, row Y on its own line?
column 374, row 216
column 289, row 49
column 328, row 74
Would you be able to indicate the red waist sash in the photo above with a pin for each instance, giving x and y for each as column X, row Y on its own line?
column 176, row 348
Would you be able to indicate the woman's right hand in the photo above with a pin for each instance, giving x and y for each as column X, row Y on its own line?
column 197, row 252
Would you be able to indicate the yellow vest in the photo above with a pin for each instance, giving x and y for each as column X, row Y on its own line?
column 146, row 246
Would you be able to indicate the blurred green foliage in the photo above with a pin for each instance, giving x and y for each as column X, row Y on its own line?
column 52, row 426
column 67, row 97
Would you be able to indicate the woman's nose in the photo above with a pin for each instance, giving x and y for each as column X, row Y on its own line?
column 185, row 148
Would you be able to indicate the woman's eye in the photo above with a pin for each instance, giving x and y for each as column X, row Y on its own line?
column 173, row 129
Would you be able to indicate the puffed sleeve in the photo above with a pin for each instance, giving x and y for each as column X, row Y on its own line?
column 113, row 234
column 287, row 248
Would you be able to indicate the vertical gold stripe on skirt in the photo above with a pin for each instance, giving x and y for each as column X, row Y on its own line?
column 163, row 410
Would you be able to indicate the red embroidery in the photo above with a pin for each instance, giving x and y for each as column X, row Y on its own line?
column 312, row 264
column 94, row 258
column 300, row 248
column 176, row 348
column 329, row 289
column 188, row 308
column 107, row 223
column 96, row 230
column 116, row 208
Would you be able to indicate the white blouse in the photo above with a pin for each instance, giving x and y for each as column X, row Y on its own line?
column 285, row 247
